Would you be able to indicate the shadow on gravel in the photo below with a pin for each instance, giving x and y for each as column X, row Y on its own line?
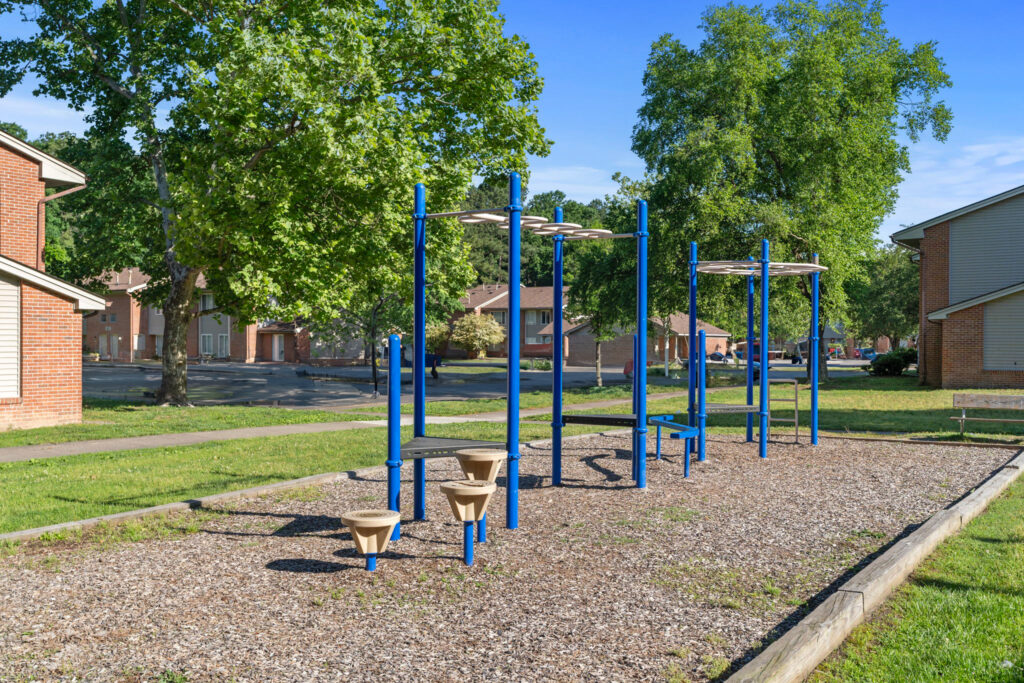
column 305, row 566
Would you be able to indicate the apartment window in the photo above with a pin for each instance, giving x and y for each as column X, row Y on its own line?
column 206, row 302
column 140, row 342
column 545, row 317
column 222, row 346
column 206, row 344
column 500, row 316
column 113, row 317
column 103, row 317
column 158, row 311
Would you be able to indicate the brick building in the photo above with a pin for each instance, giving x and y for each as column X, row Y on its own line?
column 581, row 346
column 40, row 349
column 972, row 293
column 129, row 331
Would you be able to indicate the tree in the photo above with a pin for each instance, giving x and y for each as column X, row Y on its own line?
column 884, row 299
column 783, row 124
column 14, row 129
column 476, row 332
column 280, row 140
column 437, row 336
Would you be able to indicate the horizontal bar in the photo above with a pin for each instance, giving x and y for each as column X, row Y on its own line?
column 985, row 419
column 616, row 236
column 783, row 419
column 451, row 214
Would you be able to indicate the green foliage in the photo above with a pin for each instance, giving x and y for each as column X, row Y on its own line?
column 782, row 124
column 273, row 146
column 890, row 364
column 437, row 336
column 884, row 296
column 14, row 129
column 476, row 332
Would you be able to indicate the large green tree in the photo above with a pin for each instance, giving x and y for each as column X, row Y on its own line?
column 884, row 299
column 281, row 140
column 784, row 123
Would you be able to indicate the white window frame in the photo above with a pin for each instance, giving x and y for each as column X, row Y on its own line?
column 223, row 345
column 206, row 345
column 158, row 345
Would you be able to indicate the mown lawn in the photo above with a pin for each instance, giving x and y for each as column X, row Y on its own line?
column 960, row 617
column 106, row 419
column 54, row 490
column 896, row 406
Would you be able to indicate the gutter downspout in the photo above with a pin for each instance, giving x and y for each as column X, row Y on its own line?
column 41, row 221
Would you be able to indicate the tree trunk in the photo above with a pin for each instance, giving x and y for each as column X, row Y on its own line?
column 597, row 361
column 666, row 353
column 373, row 363
column 177, row 316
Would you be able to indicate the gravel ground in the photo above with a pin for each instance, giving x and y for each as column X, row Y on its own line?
column 600, row 581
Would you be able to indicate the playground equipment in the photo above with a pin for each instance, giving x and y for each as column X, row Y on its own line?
column 637, row 420
column 468, row 500
column 371, row 530
column 764, row 268
column 481, row 464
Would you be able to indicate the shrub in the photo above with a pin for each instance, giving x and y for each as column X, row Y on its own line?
column 476, row 332
column 542, row 364
column 908, row 354
column 891, row 364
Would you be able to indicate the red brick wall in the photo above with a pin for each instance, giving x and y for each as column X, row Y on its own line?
column 20, row 192
column 243, row 344
column 582, row 350
column 51, row 363
column 934, row 290
column 963, row 335
column 124, row 328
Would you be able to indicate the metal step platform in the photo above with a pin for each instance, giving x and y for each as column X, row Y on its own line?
column 606, row 420
column 436, row 447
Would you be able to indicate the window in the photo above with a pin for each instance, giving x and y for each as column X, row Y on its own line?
column 223, row 349
column 545, row 317
column 158, row 311
column 103, row 317
column 206, row 302
column 113, row 317
column 10, row 338
column 140, row 342
column 500, row 316
column 206, row 344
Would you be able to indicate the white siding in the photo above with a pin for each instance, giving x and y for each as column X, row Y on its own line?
column 1004, row 333
column 985, row 248
column 10, row 338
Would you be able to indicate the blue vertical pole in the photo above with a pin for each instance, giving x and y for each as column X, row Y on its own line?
column 750, row 354
column 691, row 341
column 813, row 352
column 762, row 412
column 371, row 562
column 641, row 344
column 702, row 415
column 419, row 365
column 557, row 342
column 467, row 542
column 394, row 461
column 515, row 210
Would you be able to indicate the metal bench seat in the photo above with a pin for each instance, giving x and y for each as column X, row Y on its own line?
column 606, row 420
column 436, row 447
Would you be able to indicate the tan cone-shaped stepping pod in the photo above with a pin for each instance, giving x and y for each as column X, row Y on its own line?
column 371, row 529
column 469, row 498
column 481, row 464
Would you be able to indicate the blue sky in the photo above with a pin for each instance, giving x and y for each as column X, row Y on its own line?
column 592, row 55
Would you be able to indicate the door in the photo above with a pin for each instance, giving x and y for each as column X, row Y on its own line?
column 277, row 347
column 103, row 347
column 113, row 347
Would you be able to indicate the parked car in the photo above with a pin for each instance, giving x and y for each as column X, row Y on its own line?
column 867, row 353
column 716, row 356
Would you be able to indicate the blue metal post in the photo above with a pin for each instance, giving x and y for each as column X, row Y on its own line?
column 467, row 542
column 641, row 344
column 750, row 354
column 394, row 461
column 691, row 340
column 762, row 412
column 481, row 530
column 702, row 415
column 419, row 365
column 813, row 352
column 371, row 562
column 515, row 210
column 557, row 361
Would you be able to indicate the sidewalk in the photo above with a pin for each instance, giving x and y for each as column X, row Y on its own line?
column 57, row 450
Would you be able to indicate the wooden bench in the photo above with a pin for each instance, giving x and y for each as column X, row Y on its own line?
column 988, row 401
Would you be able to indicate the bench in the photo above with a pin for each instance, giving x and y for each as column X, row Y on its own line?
column 988, row 401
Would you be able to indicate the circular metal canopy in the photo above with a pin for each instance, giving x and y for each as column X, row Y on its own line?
column 538, row 225
column 754, row 268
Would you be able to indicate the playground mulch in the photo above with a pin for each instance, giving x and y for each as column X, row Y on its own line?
column 600, row 581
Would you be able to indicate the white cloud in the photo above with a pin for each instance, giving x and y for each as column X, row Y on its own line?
column 946, row 177
column 582, row 183
column 40, row 115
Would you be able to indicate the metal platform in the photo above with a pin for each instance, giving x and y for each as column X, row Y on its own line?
column 729, row 408
column 436, row 447
column 607, row 420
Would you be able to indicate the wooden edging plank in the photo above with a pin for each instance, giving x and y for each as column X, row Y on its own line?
column 796, row 654
column 217, row 498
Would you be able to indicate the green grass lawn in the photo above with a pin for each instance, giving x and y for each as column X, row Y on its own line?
column 893, row 405
column 105, row 419
column 960, row 617
column 54, row 490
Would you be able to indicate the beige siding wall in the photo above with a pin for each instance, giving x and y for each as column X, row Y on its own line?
column 985, row 248
column 1004, row 333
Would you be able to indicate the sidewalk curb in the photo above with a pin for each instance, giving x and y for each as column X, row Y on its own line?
column 797, row 653
column 216, row 498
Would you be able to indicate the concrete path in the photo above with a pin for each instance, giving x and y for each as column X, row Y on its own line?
column 56, row 450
